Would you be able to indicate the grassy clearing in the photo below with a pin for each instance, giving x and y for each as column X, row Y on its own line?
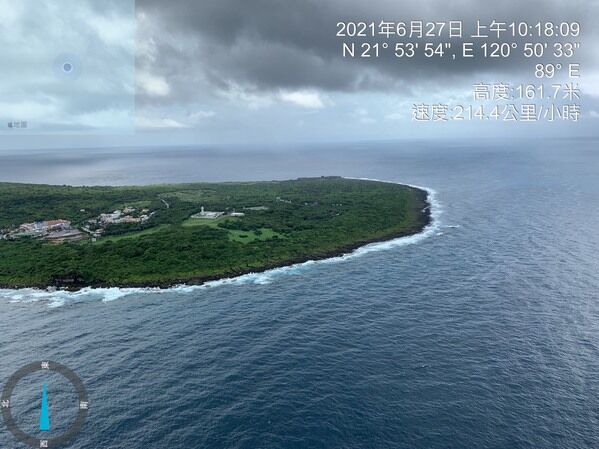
column 191, row 222
column 235, row 235
column 133, row 235
column 252, row 236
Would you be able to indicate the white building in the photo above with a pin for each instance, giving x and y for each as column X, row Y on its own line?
column 207, row 215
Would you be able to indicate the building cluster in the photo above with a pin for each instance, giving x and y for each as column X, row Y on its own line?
column 56, row 231
column 207, row 215
column 96, row 226
column 60, row 231
column 126, row 215
column 283, row 200
column 212, row 215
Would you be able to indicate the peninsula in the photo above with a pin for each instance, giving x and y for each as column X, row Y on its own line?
column 164, row 235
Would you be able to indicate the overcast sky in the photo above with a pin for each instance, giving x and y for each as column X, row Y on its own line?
column 218, row 71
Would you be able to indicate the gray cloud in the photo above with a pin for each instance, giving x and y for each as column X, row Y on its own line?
column 203, row 47
column 237, row 70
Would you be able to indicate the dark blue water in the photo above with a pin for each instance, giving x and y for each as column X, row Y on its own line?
column 484, row 335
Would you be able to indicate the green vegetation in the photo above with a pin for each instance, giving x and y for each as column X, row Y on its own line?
column 261, row 234
column 284, row 222
column 218, row 222
column 232, row 224
column 133, row 235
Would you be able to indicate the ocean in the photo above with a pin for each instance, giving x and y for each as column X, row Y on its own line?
column 481, row 333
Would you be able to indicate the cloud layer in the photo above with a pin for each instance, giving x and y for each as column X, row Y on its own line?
column 264, row 45
column 251, row 69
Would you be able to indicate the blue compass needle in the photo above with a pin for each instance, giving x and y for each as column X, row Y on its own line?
column 45, row 411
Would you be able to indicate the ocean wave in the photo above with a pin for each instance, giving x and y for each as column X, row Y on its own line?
column 58, row 298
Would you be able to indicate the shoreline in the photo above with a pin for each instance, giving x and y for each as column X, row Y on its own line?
column 428, row 220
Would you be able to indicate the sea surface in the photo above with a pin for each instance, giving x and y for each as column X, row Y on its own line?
column 481, row 333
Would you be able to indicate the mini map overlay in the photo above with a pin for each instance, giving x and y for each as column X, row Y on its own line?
column 68, row 67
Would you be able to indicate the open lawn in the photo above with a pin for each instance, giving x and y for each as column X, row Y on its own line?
column 261, row 234
column 191, row 222
column 132, row 235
